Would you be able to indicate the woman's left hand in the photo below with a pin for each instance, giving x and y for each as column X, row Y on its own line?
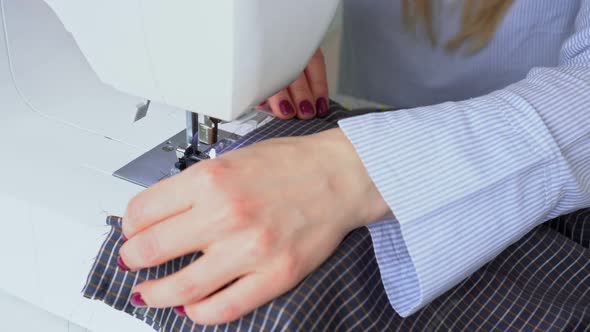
column 264, row 217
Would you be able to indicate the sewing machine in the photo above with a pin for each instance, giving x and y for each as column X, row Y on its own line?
column 65, row 132
column 216, row 58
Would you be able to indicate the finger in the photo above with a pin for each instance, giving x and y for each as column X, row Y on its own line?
column 175, row 237
column 191, row 284
column 302, row 97
column 167, row 198
column 235, row 301
column 282, row 105
column 318, row 82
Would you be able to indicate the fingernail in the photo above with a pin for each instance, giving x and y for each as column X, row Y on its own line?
column 263, row 103
column 306, row 108
column 322, row 107
column 180, row 311
column 137, row 301
column 122, row 264
column 286, row 108
column 123, row 238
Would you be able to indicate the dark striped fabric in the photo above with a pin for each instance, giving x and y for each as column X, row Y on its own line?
column 540, row 283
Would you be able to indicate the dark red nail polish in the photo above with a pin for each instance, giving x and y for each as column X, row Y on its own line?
column 137, row 301
column 306, row 108
column 263, row 103
column 123, row 238
column 122, row 264
column 322, row 107
column 286, row 108
column 180, row 311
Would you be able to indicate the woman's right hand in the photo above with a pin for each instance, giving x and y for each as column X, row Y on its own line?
column 307, row 97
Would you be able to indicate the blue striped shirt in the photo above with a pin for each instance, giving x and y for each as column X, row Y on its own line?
column 486, row 148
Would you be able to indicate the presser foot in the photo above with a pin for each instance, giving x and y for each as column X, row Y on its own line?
column 197, row 143
column 188, row 157
column 167, row 159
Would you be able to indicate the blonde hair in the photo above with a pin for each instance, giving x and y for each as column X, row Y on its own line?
column 478, row 24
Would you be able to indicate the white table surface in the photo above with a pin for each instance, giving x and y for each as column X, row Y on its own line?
column 63, row 133
column 19, row 316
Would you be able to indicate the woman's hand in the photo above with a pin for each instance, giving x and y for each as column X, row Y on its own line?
column 307, row 97
column 264, row 216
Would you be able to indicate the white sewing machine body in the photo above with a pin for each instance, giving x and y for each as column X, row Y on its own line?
column 216, row 58
column 219, row 58
column 65, row 133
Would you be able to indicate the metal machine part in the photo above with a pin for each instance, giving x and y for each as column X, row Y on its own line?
column 192, row 126
column 190, row 146
column 174, row 155
column 208, row 130
column 200, row 136
column 167, row 158
column 142, row 110
column 155, row 165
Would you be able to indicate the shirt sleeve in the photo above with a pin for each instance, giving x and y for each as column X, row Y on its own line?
column 467, row 179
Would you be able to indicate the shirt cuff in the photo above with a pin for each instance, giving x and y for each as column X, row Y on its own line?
column 398, row 273
column 463, row 186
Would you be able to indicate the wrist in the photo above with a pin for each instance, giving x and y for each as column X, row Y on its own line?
column 341, row 162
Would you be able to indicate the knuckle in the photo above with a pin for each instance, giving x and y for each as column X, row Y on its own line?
column 264, row 243
column 135, row 208
column 228, row 312
column 188, row 289
column 267, row 239
column 290, row 265
column 300, row 88
column 240, row 209
column 300, row 85
column 277, row 97
column 149, row 250
column 320, row 85
column 214, row 172
column 194, row 315
column 241, row 212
